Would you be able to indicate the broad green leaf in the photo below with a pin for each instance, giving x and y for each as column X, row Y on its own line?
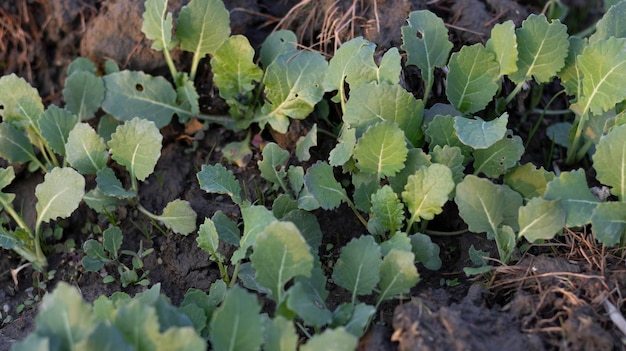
column 107, row 125
column 281, row 335
column 100, row 202
column 321, row 183
column 390, row 67
column 104, row 337
column 83, row 93
column 272, row 166
column 95, row 257
column 425, row 251
column 559, row 133
column 603, row 67
column 353, row 63
column 64, row 317
column 235, row 73
column 14, row 144
column 485, row 206
column 280, row 42
column 471, row 83
column 187, row 96
column 85, row 149
column 426, row 43
column 358, row 319
column 112, row 240
column 255, row 219
column 305, row 143
column 180, row 339
column 179, row 217
column 451, row 157
column 358, row 266
column 308, row 226
column 55, row 125
column 541, row 219
column 576, row 197
column 295, row 174
column 611, row 24
column 217, row 179
column 157, row 25
column 136, row 145
column 282, row 205
column 307, row 201
column 502, row 43
column 499, row 157
column 237, row 325
column 226, row 228
column 571, row 75
column 110, row 185
column 609, row 161
column 208, row 239
column 398, row 274
column 280, row 253
column 441, row 131
column 331, row 340
column 203, row 26
column 381, row 150
column 609, row 222
column 427, row 191
column 415, row 160
column 59, row 194
column 132, row 94
column 373, row 103
column 365, row 185
column 293, row 86
column 388, row 209
column 139, row 324
column 542, row 49
column 344, row 149
column 506, row 241
column 81, row 64
column 398, row 241
column 307, row 297
column 479, row 134
column 528, row 181
column 20, row 103
column 199, row 306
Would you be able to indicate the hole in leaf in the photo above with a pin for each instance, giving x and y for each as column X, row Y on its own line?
column 139, row 87
column 419, row 35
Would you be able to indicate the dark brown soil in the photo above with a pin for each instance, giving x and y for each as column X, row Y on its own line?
column 552, row 299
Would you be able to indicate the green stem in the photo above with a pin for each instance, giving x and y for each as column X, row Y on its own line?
column 170, row 63
column 233, row 279
column 356, row 212
column 147, row 213
column 428, row 86
column 438, row 233
column 223, row 271
column 515, row 91
column 572, row 152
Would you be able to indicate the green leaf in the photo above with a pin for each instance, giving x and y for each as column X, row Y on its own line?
column 609, row 222
column 20, row 103
column 272, row 166
column 208, row 239
column 479, row 134
column 381, row 150
column 571, row 75
column 157, row 25
column 354, row 63
column 305, row 143
column 611, row 24
column 104, row 337
column 112, row 240
column 388, row 209
column 499, row 157
column 441, row 131
column 505, row 241
column 85, row 149
column 255, row 219
column 64, row 317
column 179, row 217
column 83, row 93
column 295, row 174
column 415, row 160
column 358, row 267
column 132, row 94
column 450, row 157
column 425, row 251
column 541, row 219
column 203, row 26
column 542, row 49
column 183, row 339
column 100, row 202
column 609, row 161
column 502, row 43
column 7, row 175
column 331, row 340
column 427, row 191
column 426, row 43
column 226, row 228
column 374, row 103
column 342, row 152
column 603, row 66
column 110, row 185
column 398, row 274
column 485, row 206
column 471, row 83
column 390, row 67
column 321, row 183
column 237, row 325
column 576, row 197
column 280, row 253
column 136, row 145
column 528, row 181
column 308, row 226
column 55, row 125
column 280, row 42
column 59, row 194
column 139, row 324
column 234, row 72
column 281, row 335
column 359, row 317
column 95, row 257
column 14, row 144
column 187, row 96
column 307, row 297
column 293, row 86
column 217, row 179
